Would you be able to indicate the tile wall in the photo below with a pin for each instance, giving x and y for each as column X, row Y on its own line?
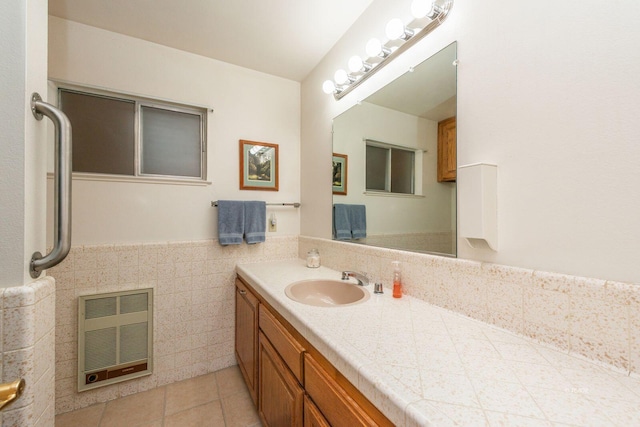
column 194, row 307
column 597, row 319
column 27, row 350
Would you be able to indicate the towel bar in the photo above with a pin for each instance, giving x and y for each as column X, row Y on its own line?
column 295, row 205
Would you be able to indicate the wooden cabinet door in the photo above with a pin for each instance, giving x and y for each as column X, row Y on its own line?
column 280, row 397
column 447, row 150
column 247, row 337
column 312, row 415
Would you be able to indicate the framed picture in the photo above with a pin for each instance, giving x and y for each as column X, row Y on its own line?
column 340, row 174
column 258, row 166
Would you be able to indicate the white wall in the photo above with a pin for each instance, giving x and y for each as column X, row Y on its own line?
column 12, row 118
column 248, row 105
column 550, row 96
column 393, row 213
column 23, row 67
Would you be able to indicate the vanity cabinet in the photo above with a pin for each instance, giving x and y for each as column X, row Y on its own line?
column 447, row 150
column 246, row 337
column 294, row 384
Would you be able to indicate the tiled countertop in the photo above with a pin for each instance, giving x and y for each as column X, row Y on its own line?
column 423, row 365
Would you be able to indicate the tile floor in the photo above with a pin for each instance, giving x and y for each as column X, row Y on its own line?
column 217, row 399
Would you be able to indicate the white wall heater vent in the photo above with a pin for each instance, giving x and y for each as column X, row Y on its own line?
column 115, row 337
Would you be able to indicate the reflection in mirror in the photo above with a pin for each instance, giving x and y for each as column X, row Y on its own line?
column 401, row 147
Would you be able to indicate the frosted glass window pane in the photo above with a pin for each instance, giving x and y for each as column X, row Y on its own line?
column 376, row 168
column 103, row 132
column 171, row 143
column 402, row 162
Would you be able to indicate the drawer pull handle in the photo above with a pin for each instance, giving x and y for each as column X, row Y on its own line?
column 242, row 291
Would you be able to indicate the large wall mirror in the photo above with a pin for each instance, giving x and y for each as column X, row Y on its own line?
column 394, row 162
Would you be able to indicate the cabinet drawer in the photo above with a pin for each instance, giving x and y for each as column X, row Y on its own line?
column 285, row 344
column 336, row 405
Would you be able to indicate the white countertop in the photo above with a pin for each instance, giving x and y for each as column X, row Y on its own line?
column 424, row 365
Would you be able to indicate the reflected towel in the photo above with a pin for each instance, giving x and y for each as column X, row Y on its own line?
column 341, row 223
column 358, row 221
column 255, row 221
column 230, row 222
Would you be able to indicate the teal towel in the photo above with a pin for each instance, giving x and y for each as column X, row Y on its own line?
column 230, row 222
column 358, row 221
column 255, row 221
column 341, row 222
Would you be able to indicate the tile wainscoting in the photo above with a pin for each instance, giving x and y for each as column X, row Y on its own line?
column 28, row 351
column 194, row 307
column 442, row 242
column 597, row 319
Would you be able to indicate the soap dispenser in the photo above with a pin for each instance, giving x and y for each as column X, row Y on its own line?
column 397, row 280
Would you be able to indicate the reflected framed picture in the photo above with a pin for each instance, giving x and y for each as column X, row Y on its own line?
column 258, row 166
column 340, row 174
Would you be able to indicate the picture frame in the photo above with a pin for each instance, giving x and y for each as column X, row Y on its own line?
column 340, row 173
column 259, row 166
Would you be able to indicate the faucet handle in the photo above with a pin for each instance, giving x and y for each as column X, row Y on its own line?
column 345, row 275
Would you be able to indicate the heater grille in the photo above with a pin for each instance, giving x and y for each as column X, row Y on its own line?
column 114, row 337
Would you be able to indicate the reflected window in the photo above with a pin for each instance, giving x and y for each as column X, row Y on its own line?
column 389, row 168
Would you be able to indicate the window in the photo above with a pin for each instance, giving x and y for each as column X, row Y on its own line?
column 390, row 168
column 128, row 136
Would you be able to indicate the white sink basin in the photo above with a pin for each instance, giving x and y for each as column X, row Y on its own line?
column 326, row 293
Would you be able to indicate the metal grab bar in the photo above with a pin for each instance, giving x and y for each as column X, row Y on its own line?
column 62, row 187
column 10, row 392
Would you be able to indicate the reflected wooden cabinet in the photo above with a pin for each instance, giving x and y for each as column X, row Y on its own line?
column 247, row 337
column 447, row 150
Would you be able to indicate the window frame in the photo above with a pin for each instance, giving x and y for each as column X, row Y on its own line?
column 389, row 148
column 139, row 103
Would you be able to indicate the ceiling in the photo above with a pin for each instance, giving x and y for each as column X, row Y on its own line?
column 285, row 38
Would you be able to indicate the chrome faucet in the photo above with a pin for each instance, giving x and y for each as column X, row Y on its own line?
column 362, row 279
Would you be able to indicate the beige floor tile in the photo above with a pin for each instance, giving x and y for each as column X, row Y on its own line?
column 209, row 414
column 239, row 411
column 156, row 423
column 190, row 393
column 86, row 417
column 190, row 403
column 138, row 409
column 230, row 381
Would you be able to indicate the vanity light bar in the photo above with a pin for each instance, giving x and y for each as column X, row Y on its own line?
column 434, row 10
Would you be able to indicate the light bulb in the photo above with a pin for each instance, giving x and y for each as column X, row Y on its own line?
column 396, row 30
column 375, row 48
column 355, row 64
column 341, row 77
column 422, row 8
column 328, row 87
